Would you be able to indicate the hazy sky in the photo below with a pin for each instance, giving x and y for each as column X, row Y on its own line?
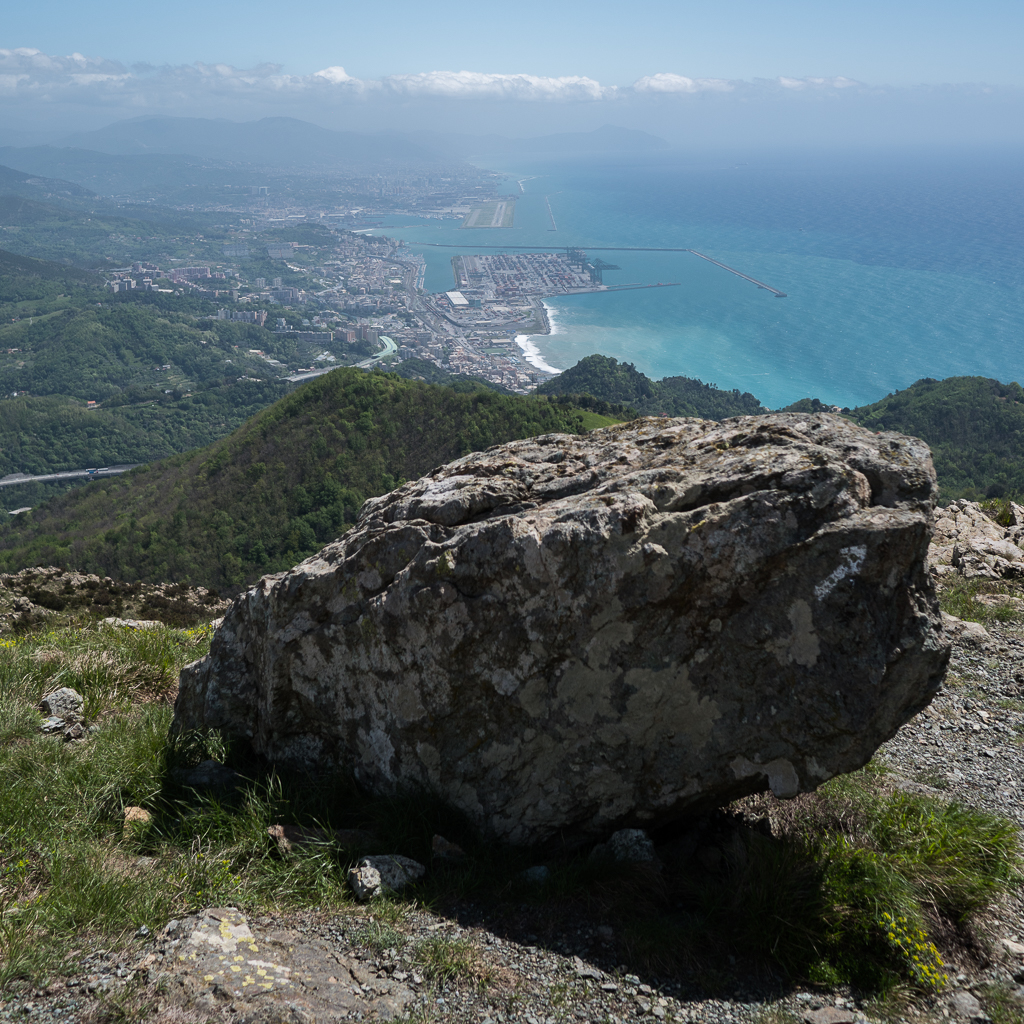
column 876, row 69
column 880, row 41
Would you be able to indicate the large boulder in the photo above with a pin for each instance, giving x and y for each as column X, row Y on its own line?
column 567, row 634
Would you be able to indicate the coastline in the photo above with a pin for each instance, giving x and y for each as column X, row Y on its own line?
column 531, row 353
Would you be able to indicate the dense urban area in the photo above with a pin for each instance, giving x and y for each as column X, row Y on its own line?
column 349, row 296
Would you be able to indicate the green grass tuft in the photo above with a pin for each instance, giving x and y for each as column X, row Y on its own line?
column 445, row 960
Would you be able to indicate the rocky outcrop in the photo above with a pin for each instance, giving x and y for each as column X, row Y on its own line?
column 970, row 542
column 569, row 634
column 59, row 597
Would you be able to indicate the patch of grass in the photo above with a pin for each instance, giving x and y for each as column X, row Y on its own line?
column 854, row 885
column 63, row 865
column 1001, row 1005
column 776, row 1014
column 959, row 597
column 892, row 1004
column 380, row 933
column 446, row 960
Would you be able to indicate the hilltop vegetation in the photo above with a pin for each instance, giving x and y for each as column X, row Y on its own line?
column 95, row 353
column 608, row 379
column 974, row 426
column 276, row 490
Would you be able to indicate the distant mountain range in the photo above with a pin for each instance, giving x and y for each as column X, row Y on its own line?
column 149, row 151
column 29, row 185
column 279, row 141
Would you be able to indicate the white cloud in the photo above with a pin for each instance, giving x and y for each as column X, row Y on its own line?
column 667, row 82
column 818, row 83
column 478, row 85
column 335, row 75
column 28, row 73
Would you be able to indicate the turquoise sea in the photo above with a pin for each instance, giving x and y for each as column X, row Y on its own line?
column 896, row 266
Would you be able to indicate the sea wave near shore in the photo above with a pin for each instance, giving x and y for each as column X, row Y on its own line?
column 531, row 353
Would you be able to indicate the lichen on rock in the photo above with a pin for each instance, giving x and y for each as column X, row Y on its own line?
column 566, row 635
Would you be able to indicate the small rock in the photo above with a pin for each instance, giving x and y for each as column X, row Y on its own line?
column 538, row 874
column 365, row 881
column 389, row 872
column 830, row 1015
column 133, row 623
column 584, row 970
column 631, row 844
column 64, row 703
column 135, row 817
column 1014, row 948
column 445, row 849
column 52, row 724
column 963, row 1004
column 968, row 631
column 142, row 933
column 75, row 731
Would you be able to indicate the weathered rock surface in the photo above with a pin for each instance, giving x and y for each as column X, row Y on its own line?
column 968, row 541
column 572, row 634
column 64, row 703
column 388, row 873
column 215, row 967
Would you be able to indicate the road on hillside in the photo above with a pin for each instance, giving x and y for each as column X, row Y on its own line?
column 12, row 479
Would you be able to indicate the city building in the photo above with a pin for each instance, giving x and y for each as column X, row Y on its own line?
column 255, row 316
column 189, row 273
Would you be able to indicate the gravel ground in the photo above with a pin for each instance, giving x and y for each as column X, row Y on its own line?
column 966, row 745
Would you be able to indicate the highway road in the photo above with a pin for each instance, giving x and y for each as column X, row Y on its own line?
column 12, row 479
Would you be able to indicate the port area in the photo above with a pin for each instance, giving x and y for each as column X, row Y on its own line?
column 522, row 274
column 499, row 213
column 478, row 328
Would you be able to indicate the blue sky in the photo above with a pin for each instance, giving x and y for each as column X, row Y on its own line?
column 899, row 42
column 771, row 71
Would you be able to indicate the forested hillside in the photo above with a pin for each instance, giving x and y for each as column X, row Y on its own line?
column 278, row 488
column 52, row 434
column 86, row 237
column 95, row 353
column 974, row 426
column 606, row 378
